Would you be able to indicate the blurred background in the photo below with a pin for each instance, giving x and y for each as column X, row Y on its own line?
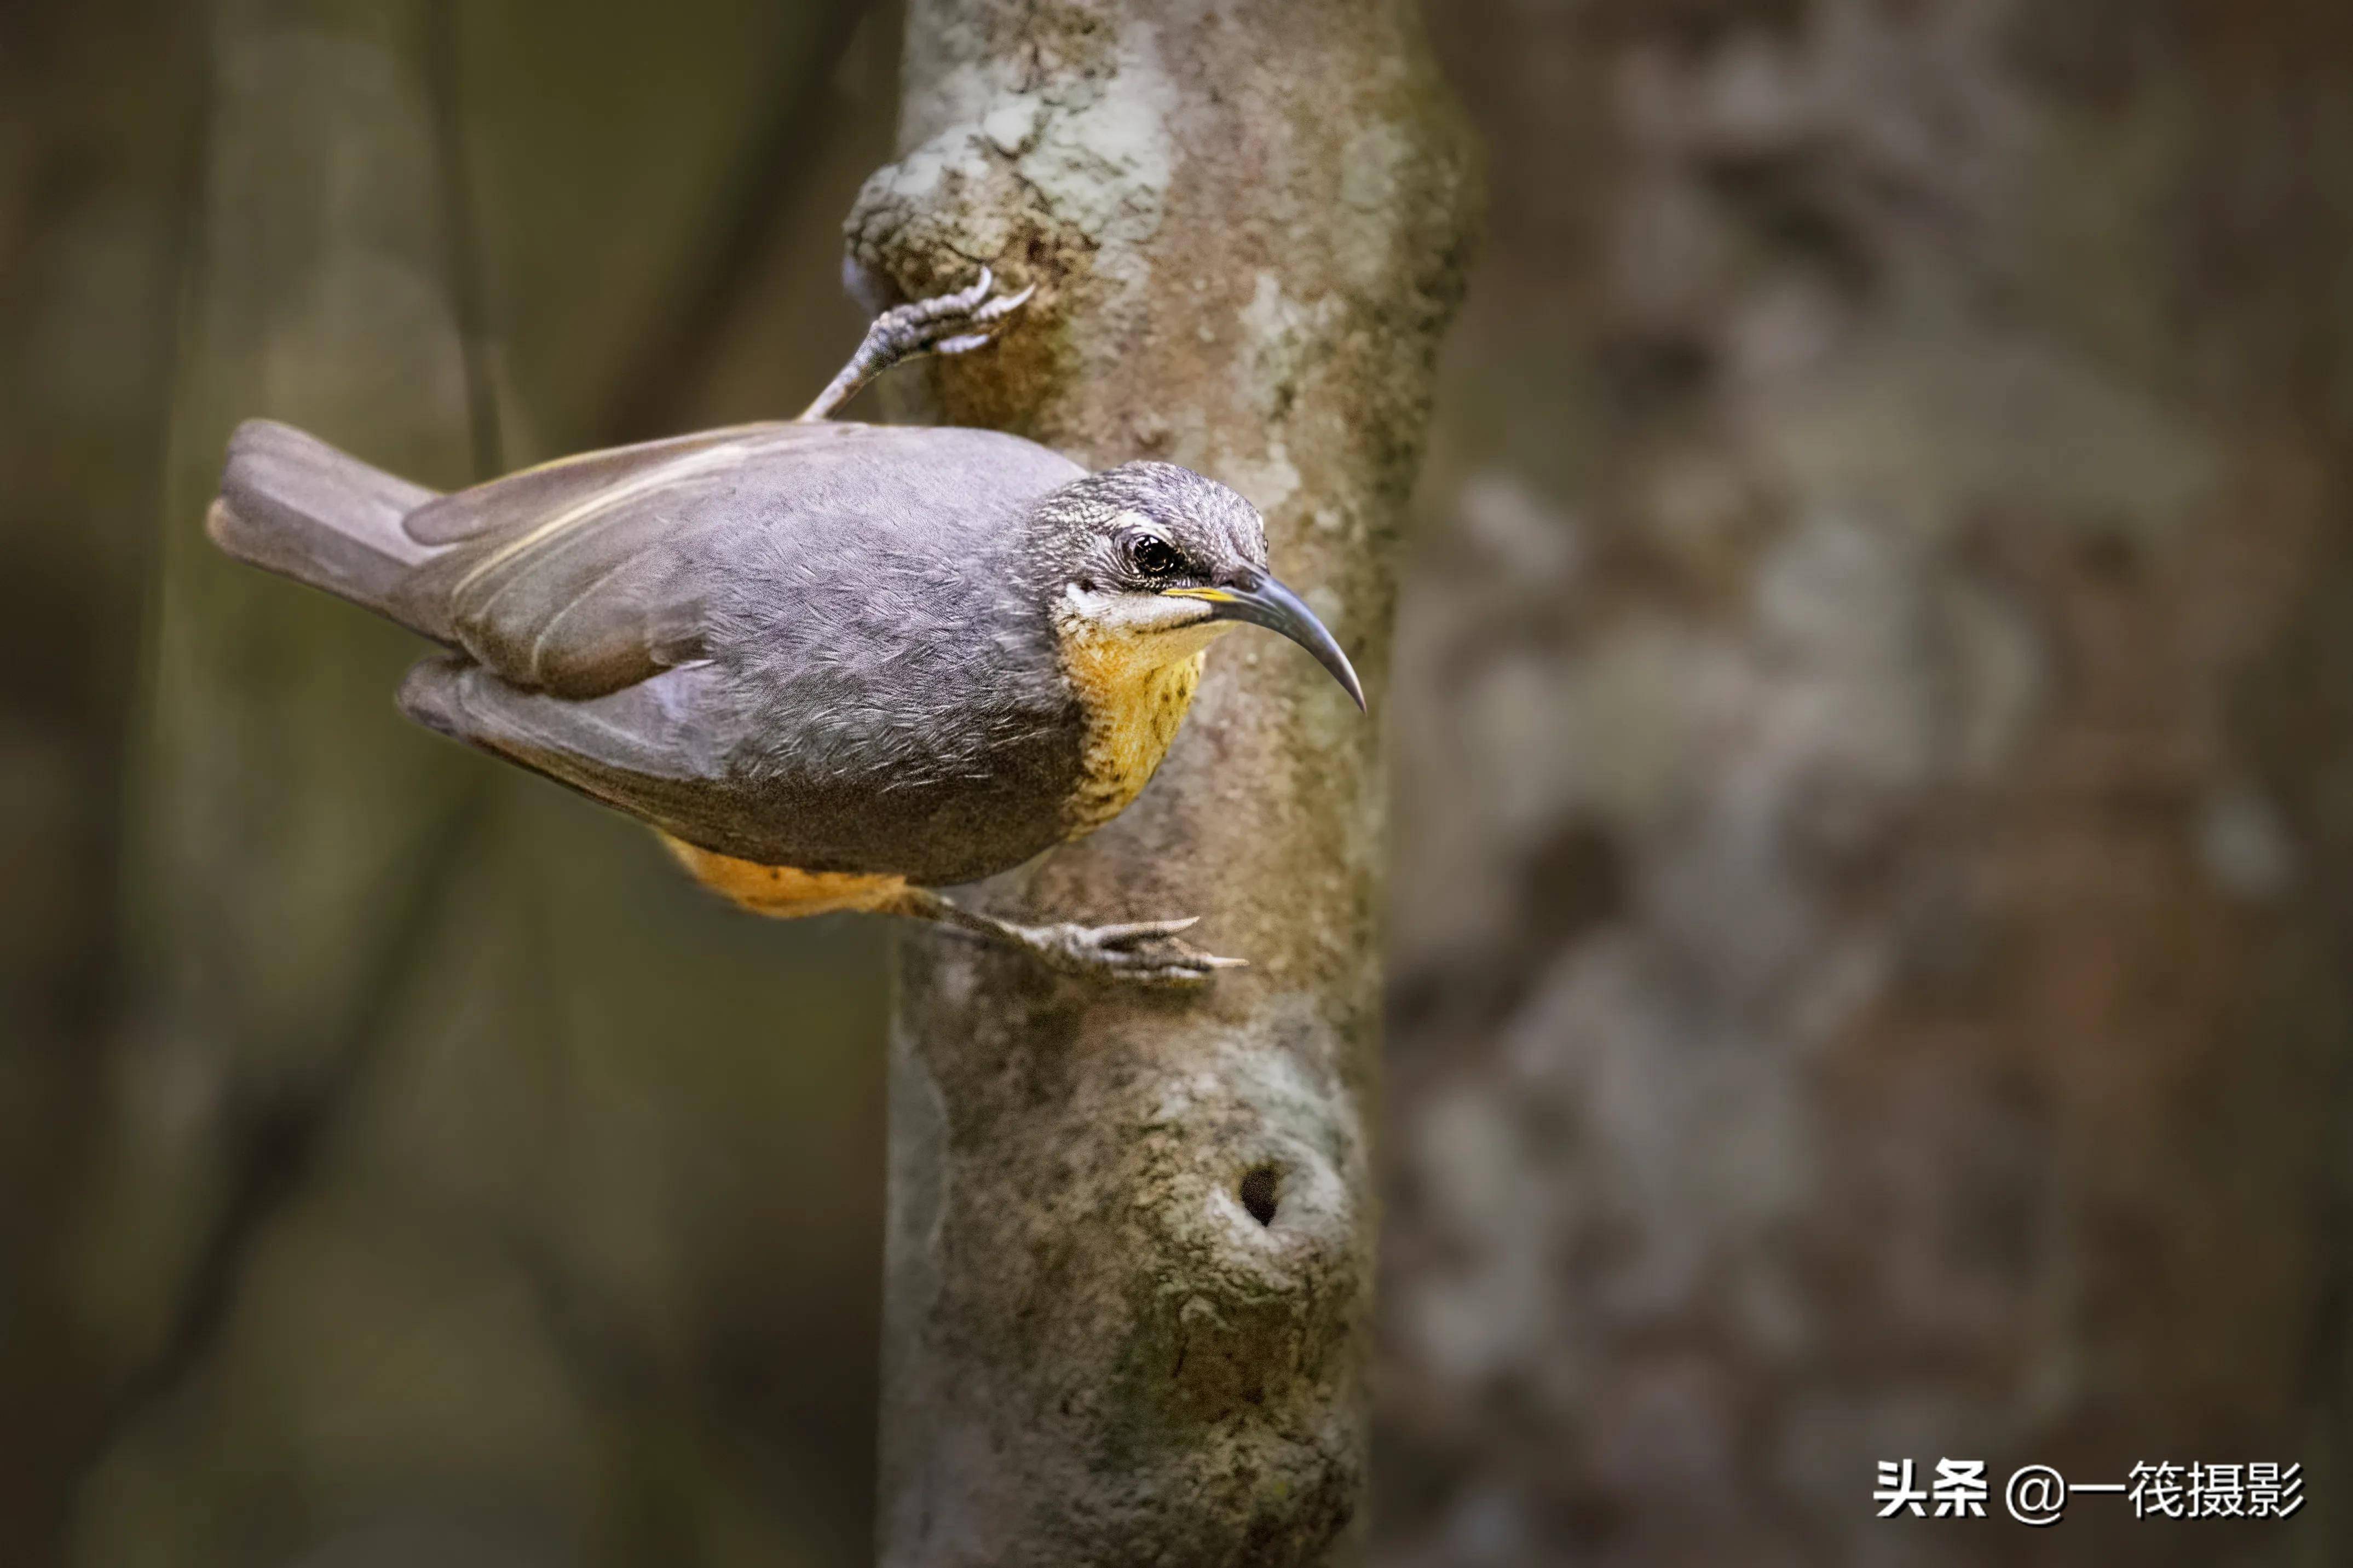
column 1873, row 740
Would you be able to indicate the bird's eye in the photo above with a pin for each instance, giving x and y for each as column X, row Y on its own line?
column 1154, row 557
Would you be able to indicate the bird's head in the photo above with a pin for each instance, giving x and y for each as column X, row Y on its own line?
column 1158, row 561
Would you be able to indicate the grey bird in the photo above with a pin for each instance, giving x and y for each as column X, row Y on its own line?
column 835, row 666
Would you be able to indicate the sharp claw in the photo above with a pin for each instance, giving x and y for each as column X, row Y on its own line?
column 1114, row 936
column 999, row 309
column 963, row 344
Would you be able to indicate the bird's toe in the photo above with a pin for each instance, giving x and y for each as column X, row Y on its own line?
column 1129, row 933
column 959, row 323
column 1144, row 952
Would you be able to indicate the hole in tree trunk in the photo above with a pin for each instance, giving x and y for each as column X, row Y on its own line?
column 1258, row 1193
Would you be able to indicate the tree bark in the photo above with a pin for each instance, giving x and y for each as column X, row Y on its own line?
column 1129, row 1278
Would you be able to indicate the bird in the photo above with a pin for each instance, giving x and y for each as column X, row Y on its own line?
column 835, row 666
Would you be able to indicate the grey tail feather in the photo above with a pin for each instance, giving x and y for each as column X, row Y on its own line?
column 293, row 504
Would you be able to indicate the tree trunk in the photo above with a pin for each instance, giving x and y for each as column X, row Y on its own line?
column 1131, row 1236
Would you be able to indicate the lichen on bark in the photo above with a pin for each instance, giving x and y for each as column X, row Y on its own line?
column 1129, row 1282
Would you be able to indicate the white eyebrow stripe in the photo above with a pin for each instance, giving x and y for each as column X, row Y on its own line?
column 729, row 456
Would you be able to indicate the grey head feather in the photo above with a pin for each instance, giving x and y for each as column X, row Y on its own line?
column 1100, row 531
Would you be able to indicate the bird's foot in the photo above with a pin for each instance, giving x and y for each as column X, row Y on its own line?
column 945, row 324
column 1139, row 952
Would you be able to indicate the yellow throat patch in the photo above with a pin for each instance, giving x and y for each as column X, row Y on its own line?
column 1135, row 689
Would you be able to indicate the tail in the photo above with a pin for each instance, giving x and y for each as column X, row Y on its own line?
column 293, row 505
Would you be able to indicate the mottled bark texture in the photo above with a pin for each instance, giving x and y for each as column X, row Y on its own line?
column 1129, row 1290
column 1874, row 816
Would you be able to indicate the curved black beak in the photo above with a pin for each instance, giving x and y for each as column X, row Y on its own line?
column 1262, row 601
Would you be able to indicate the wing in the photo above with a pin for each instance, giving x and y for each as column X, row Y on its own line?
column 578, row 577
column 647, row 748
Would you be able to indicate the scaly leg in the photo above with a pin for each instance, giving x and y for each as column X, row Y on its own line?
column 1141, row 952
column 945, row 324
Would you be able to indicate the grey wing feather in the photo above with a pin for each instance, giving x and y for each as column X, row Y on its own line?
column 576, row 578
column 646, row 749
column 549, row 488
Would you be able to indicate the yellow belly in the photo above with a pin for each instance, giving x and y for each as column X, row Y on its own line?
column 781, row 891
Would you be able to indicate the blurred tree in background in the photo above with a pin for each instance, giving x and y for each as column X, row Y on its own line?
column 1874, row 804
column 1870, row 973
column 401, row 1157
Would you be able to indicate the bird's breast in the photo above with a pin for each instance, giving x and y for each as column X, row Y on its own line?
column 1133, row 700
